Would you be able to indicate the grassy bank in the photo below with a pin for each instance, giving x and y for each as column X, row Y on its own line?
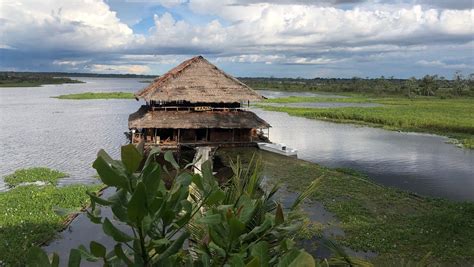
column 395, row 224
column 101, row 95
column 450, row 117
column 27, row 217
column 11, row 79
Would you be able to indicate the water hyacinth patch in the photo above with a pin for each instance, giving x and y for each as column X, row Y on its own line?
column 27, row 216
column 32, row 175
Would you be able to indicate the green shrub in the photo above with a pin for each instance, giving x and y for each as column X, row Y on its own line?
column 238, row 224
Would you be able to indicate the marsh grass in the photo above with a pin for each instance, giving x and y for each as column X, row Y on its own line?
column 35, row 174
column 100, row 95
column 395, row 224
column 450, row 117
column 27, row 217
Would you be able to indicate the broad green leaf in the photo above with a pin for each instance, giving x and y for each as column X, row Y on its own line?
column 37, row 257
column 109, row 174
column 151, row 177
column 260, row 251
column 237, row 260
column 206, row 170
column 174, row 248
column 218, row 236
column 141, row 147
column 98, row 200
column 197, row 180
column 131, row 158
column 236, row 228
column 151, row 156
column 114, row 232
column 93, row 218
column 253, row 263
column 121, row 255
column 137, row 207
column 184, row 179
column 217, row 248
column 247, row 207
column 215, row 197
column 279, row 217
column 296, row 258
column 55, row 260
column 85, row 254
column 74, row 258
column 120, row 212
column 169, row 157
column 97, row 249
column 210, row 219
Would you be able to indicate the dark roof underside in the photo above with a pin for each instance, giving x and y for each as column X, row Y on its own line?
column 144, row 118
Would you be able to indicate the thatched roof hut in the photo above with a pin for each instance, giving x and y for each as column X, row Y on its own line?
column 196, row 80
column 144, row 118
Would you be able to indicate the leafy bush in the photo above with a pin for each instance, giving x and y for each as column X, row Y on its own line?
column 237, row 224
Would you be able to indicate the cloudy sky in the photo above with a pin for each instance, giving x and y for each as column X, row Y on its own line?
column 281, row 38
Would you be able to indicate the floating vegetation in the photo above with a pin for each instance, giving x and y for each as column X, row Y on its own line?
column 100, row 95
column 27, row 217
column 32, row 175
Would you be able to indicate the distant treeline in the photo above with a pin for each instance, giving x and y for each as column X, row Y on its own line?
column 77, row 74
column 429, row 85
column 29, row 79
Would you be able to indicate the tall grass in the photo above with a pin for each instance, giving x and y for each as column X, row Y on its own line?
column 452, row 117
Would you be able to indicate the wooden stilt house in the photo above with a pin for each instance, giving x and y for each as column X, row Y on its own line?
column 197, row 104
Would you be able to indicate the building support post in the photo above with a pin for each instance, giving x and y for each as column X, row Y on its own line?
column 178, row 135
column 233, row 135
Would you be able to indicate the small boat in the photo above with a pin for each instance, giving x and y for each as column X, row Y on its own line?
column 281, row 149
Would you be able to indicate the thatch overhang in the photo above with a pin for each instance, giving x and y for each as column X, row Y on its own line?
column 197, row 80
column 145, row 118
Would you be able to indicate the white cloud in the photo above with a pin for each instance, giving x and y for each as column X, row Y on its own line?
column 84, row 33
column 310, row 30
column 105, row 68
column 62, row 25
column 439, row 63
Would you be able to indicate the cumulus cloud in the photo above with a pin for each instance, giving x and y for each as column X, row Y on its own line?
column 311, row 29
column 62, row 25
column 89, row 35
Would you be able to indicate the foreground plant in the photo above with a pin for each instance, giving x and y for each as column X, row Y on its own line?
column 247, row 226
column 236, row 225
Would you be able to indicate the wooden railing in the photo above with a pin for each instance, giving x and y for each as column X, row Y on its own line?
column 198, row 109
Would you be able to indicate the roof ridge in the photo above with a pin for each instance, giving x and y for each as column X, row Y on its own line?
column 172, row 73
column 164, row 88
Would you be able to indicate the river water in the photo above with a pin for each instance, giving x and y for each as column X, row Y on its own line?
column 37, row 130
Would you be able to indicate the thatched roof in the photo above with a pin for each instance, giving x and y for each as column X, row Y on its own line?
column 145, row 118
column 197, row 80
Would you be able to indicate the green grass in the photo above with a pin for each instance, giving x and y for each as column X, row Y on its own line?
column 395, row 224
column 32, row 175
column 27, row 217
column 101, row 95
column 450, row 117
